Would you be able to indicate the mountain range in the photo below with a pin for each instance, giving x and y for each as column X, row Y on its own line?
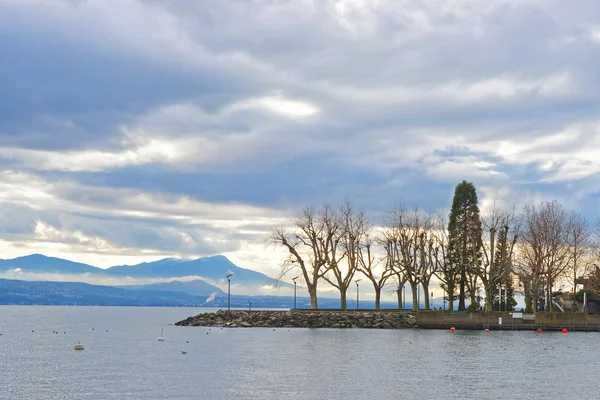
column 38, row 279
column 17, row 292
column 210, row 268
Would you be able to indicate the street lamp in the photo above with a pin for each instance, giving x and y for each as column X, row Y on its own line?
column 401, row 289
column 500, row 300
column 249, row 305
column 294, row 279
column 585, row 278
column 419, row 276
column 358, row 280
column 229, row 291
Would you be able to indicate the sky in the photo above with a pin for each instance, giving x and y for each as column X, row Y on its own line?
column 134, row 130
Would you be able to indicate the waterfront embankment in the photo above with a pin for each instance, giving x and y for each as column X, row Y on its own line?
column 389, row 319
column 302, row 319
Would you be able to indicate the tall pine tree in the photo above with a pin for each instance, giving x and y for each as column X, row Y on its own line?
column 464, row 238
column 500, row 275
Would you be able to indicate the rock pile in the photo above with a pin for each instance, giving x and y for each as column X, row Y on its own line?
column 302, row 319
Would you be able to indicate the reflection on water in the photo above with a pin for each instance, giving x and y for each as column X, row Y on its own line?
column 123, row 359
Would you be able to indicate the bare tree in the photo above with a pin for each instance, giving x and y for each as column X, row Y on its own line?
column 376, row 271
column 407, row 238
column 502, row 230
column 448, row 273
column 431, row 254
column 388, row 240
column 581, row 247
column 308, row 248
column 594, row 255
column 545, row 248
column 347, row 227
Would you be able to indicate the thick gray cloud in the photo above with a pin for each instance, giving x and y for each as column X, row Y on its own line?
column 187, row 128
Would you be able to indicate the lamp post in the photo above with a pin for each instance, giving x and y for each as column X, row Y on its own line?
column 356, row 281
column 419, row 276
column 229, row 291
column 585, row 278
column 294, row 279
column 500, row 300
column 249, row 305
column 403, row 297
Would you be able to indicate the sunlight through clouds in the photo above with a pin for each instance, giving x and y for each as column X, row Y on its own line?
column 190, row 128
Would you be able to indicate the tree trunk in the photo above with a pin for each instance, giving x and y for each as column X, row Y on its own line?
column 461, row 295
column 414, row 288
column 399, row 292
column 378, row 298
column 426, row 292
column 549, row 305
column 343, row 299
column 528, row 302
column 450, row 294
column 312, row 292
column 535, row 290
column 488, row 297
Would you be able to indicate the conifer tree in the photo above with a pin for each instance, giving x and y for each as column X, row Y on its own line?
column 501, row 274
column 464, row 237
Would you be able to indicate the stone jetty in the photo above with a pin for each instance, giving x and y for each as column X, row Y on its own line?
column 302, row 319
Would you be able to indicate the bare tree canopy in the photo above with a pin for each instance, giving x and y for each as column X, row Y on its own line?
column 307, row 242
column 500, row 233
column 543, row 245
column 545, row 249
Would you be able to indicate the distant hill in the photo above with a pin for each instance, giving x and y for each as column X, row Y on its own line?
column 216, row 268
column 41, row 264
column 212, row 268
column 16, row 292
column 195, row 288
column 75, row 293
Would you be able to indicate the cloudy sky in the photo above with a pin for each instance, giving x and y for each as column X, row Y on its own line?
column 132, row 130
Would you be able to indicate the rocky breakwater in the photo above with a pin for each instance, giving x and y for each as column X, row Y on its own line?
column 301, row 319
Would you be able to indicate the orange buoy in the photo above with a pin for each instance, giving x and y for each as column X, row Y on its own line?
column 452, row 329
column 486, row 330
column 564, row 330
column 539, row 331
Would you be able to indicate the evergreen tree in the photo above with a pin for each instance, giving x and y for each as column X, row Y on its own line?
column 464, row 239
column 500, row 274
column 508, row 302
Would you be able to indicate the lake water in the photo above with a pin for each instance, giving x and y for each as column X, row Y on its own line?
column 123, row 360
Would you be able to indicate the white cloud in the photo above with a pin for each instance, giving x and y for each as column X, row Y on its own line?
column 277, row 104
column 457, row 168
column 501, row 92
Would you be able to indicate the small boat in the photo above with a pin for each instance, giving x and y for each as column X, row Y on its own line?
column 161, row 338
column 79, row 346
column 183, row 352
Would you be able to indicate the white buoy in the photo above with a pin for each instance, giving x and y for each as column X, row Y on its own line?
column 161, row 338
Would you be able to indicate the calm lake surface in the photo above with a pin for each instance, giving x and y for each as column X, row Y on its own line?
column 123, row 360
